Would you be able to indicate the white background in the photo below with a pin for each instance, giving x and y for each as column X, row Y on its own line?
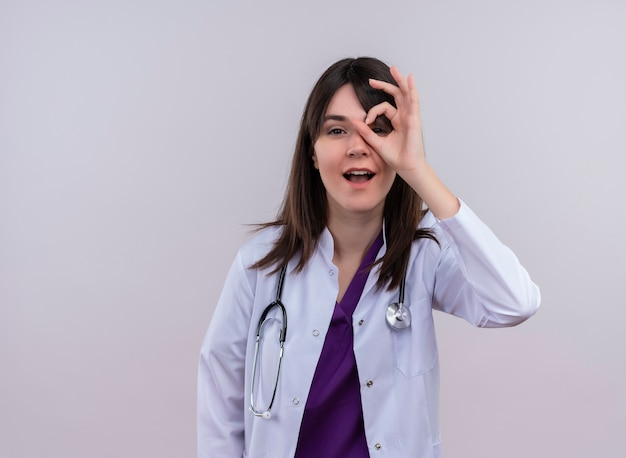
column 137, row 138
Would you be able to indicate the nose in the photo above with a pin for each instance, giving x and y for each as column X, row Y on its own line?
column 357, row 146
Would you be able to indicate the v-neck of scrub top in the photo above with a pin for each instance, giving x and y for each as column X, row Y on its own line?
column 332, row 425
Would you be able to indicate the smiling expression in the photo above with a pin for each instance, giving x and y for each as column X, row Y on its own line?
column 356, row 178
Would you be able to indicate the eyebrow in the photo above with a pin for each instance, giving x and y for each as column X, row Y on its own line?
column 334, row 118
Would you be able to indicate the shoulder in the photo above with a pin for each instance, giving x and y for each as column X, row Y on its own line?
column 465, row 218
column 242, row 271
column 426, row 246
column 462, row 225
column 259, row 245
column 428, row 221
column 459, row 229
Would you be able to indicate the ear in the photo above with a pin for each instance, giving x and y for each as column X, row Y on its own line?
column 314, row 158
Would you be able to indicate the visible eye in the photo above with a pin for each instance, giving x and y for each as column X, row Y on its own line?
column 380, row 131
column 336, row 131
column 381, row 126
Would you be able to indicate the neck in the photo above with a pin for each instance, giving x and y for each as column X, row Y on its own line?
column 353, row 235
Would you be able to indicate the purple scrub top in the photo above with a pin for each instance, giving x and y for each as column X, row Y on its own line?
column 332, row 425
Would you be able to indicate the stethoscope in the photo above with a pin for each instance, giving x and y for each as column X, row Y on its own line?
column 281, row 341
column 397, row 316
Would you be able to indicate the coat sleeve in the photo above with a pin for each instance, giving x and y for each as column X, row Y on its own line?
column 221, row 371
column 478, row 278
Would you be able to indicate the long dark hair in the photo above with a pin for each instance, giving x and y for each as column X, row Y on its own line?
column 303, row 214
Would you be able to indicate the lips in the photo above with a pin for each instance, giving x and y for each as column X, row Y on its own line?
column 358, row 176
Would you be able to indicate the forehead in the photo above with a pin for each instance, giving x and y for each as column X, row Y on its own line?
column 345, row 103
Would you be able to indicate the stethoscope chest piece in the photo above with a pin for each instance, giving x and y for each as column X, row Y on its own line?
column 398, row 316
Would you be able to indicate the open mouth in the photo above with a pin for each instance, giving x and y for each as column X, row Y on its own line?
column 358, row 176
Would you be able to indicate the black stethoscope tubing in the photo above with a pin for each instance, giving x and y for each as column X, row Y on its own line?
column 398, row 317
column 281, row 341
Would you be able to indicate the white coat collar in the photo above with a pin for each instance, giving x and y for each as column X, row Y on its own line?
column 326, row 246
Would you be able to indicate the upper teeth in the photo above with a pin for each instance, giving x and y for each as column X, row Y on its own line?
column 359, row 172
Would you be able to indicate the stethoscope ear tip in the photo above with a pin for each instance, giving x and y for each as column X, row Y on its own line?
column 267, row 415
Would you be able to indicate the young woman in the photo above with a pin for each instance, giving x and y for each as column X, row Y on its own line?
column 318, row 347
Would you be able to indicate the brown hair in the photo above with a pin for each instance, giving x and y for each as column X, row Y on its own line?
column 303, row 214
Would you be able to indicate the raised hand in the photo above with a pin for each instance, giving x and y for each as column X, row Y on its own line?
column 402, row 149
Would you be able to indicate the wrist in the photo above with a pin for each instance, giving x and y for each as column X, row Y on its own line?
column 439, row 199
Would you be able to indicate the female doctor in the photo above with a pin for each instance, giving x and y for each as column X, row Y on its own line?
column 318, row 347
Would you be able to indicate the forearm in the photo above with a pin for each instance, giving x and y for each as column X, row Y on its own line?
column 439, row 199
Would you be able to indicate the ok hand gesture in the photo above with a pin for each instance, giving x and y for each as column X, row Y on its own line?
column 403, row 148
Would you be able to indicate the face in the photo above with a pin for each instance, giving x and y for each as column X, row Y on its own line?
column 356, row 179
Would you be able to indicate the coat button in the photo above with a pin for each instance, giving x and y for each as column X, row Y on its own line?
column 378, row 446
column 369, row 383
column 331, row 272
column 361, row 322
column 295, row 401
column 315, row 332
